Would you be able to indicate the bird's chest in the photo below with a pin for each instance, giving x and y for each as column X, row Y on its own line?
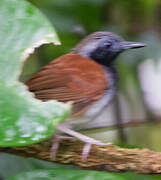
column 98, row 106
column 103, row 102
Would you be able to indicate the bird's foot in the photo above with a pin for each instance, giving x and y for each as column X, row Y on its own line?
column 88, row 141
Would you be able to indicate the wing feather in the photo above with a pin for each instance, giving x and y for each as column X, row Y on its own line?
column 70, row 78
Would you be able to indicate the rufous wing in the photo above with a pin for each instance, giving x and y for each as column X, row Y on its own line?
column 70, row 78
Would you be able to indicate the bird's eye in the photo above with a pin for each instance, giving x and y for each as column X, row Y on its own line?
column 107, row 44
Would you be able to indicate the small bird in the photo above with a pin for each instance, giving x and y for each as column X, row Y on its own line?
column 86, row 77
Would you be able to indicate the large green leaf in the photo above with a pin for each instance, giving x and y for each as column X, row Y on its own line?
column 23, row 119
column 133, row 176
column 66, row 174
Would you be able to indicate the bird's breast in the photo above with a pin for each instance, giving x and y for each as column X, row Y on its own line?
column 103, row 102
column 96, row 108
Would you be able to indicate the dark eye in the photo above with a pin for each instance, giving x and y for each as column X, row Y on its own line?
column 107, row 44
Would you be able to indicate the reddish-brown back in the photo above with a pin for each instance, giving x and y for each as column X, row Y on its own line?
column 70, row 78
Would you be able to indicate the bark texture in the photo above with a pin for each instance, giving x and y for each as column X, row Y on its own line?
column 107, row 158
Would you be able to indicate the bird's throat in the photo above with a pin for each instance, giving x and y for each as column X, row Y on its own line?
column 105, row 60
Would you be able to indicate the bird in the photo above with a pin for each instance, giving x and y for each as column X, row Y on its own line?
column 87, row 77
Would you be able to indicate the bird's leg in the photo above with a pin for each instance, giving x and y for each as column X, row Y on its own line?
column 55, row 146
column 86, row 151
column 88, row 141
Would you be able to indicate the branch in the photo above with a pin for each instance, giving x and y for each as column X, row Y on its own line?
column 107, row 158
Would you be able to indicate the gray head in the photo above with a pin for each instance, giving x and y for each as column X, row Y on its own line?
column 104, row 47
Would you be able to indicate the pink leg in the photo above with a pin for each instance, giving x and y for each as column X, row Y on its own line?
column 55, row 146
column 86, row 151
column 88, row 141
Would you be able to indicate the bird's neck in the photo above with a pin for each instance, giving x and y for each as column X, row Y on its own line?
column 104, row 62
column 107, row 61
column 112, row 70
column 109, row 67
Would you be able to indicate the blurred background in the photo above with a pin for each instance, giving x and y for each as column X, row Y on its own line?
column 133, row 118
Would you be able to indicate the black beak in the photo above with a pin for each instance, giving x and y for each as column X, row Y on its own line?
column 131, row 45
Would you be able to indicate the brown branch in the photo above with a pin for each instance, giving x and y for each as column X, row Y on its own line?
column 109, row 158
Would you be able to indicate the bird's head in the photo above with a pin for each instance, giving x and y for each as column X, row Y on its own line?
column 104, row 47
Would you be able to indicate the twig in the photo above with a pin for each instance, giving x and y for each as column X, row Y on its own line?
column 108, row 158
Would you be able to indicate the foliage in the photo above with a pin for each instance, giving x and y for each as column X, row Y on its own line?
column 61, row 174
column 24, row 120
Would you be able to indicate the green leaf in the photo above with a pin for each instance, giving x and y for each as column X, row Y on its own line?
column 67, row 174
column 61, row 174
column 133, row 176
column 23, row 119
column 11, row 165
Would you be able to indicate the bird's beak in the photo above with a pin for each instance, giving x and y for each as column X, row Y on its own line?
column 131, row 45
